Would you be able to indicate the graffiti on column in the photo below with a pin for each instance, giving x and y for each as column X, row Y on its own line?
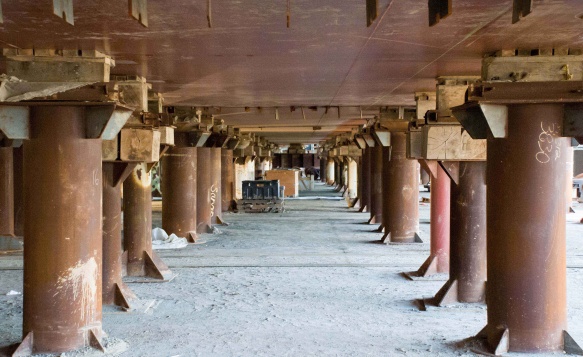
column 214, row 191
column 547, row 145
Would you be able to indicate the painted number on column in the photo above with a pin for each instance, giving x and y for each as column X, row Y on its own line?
column 96, row 177
column 549, row 150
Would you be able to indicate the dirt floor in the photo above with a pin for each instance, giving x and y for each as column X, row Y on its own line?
column 313, row 281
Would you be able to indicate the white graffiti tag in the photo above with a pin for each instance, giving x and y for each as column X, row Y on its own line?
column 213, row 193
column 547, row 144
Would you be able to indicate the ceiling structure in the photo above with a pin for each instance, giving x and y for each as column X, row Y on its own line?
column 326, row 58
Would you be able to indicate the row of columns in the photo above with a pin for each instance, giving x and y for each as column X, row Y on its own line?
column 516, row 201
column 73, row 210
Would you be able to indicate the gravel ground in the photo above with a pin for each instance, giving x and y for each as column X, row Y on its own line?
column 312, row 281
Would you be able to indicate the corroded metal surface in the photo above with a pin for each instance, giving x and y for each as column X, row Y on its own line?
column 400, row 191
column 227, row 179
column 115, row 292
column 526, row 290
column 137, row 226
column 215, row 189
column 438, row 260
column 365, row 178
column 179, row 179
column 467, row 268
column 330, row 171
column 376, row 185
column 203, row 190
column 62, row 231
column 18, row 191
column 6, row 191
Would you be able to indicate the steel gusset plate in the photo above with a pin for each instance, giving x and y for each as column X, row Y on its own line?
column 520, row 8
column 438, row 9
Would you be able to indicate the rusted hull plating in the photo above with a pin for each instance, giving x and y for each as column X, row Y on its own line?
column 526, row 287
column 115, row 292
column 137, row 226
column 227, row 179
column 203, row 192
column 6, row 191
column 215, row 189
column 62, row 232
column 467, row 273
column 400, row 192
column 376, row 185
column 179, row 192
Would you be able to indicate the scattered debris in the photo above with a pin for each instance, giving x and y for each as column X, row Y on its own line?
column 161, row 240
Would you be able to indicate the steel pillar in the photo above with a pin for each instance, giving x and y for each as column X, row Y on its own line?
column 6, row 191
column 203, row 191
column 438, row 260
column 323, row 170
column 526, row 290
column 215, row 189
column 18, row 163
column 227, row 179
column 115, row 291
column 467, row 267
column 330, row 171
column 376, row 185
column 365, row 197
column 62, row 233
column 352, row 179
column 400, row 192
column 137, row 226
column 179, row 191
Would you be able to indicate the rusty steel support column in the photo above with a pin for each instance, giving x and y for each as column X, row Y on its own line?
column 400, row 192
column 6, row 191
column 467, row 267
column 215, row 189
column 18, row 163
column 227, row 179
column 323, row 170
column 526, row 290
column 62, row 233
column 115, row 291
column 137, row 226
column 376, row 185
column 365, row 197
column 179, row 191
column 438, row 260
column 203, row 191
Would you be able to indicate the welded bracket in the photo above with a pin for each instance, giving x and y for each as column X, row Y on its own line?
column 520, row 8
column 26, row 347
column 138, row 9
column 452, row 169
column 438, row 9
column 15, row 121
column 479, row 118
column 64, row 10
column 372, row 11
column 570, row 346
column 105, row 122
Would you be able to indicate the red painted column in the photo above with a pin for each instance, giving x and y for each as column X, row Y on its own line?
column 438, row 261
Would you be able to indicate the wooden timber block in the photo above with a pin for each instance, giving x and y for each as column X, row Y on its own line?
column 451, row 143
column 140, row 145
